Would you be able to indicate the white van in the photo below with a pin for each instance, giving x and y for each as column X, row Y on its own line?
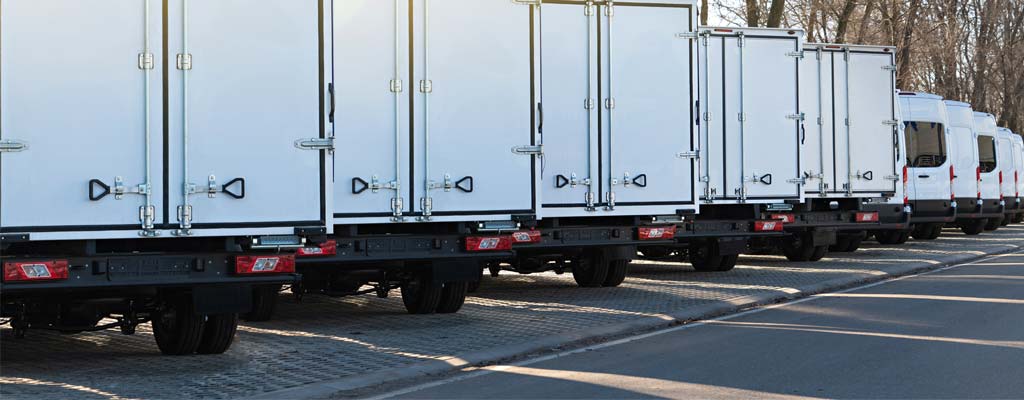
column 930, row 170
column 1018, row 154
column 1010, row 167
column 966, row 170
column 991, row 175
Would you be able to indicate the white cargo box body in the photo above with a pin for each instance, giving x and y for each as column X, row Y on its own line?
column 989, row 155
column 926, row 123
column 750, row 121
column 848, row 97
column 1018, row 162
column 618, row 93
column 963, row 149
column 436, row 110
column 1008, row 162
column 99, row 152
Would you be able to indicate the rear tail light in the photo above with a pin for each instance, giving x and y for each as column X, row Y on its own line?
column 1000, row 185
column 255, row 265
column 328, row 248
column 526, row 237
column 977, row 172
column 1016, row 184
column 768, row 226
column 867, row 217
column 488, row 243
column 906, row 196
column 786, row 218
column 657, row 232
column 33, row 271
column 952, row 177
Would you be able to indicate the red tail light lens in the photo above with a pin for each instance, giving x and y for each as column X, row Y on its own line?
column 656, row 232
column 328, row 248
column 1000, row 185
column 867, row 217
column 906, row 196
column 768, row 226
column 952, row 177
column 785, row 218
column 526, row 237
column 488, row 243
column 978, row 174
column 35, row 271
column 255, row 265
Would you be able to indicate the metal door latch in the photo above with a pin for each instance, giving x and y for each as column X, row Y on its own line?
column 98, row 189
column 865, row 176
column 797, row 54
column 537, row 150
column 572, row 181
column 235, row 188
column 184, row 61
column 893, row 177
column 798, row 116
column 12, row 146
column 688, row 35
column 316, row 144
column 465, row 184
column 765, row 179
column 890, row 122
column 146, row 61
column 797, row 181
column 639, row 180
column 688, row 154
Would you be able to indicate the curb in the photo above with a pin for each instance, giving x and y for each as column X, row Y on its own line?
column 550, row 343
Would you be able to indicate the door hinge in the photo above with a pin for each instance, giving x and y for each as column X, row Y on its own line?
column 317, row 144
column 889, row 68
column 589, row 104
column 537, row 150
column 588, row 10
column 891, row 122
column 797, row 54
column 798, row 117
column 742, row 117
column 184, row 61
column 146, row 61
column 609, row 103
column 688, row 35
column 12, row 146
column 396, row 86
column 688, row 154
column 426, row 86
column 609, row 10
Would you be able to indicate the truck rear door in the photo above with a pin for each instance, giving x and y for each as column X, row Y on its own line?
column 866, row 132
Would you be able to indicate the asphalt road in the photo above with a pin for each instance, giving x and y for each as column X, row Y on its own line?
column 957, row 333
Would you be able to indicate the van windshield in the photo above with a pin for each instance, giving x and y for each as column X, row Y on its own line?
column 987, row 153
column 926, row 144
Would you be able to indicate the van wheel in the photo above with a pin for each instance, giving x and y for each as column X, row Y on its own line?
column 178, row 330
column 801, row 249
column 855, row 243
column 818, row 253
column 728, row 263
column 936, row 232
column 264, row 302
column 973, row 227
column 704, row 259
column 218, row 334
column 453, row 296
column 590, row 271
column 421, row 296
column 892, row 237
column 1018, row 218
column 993, row 224
column 1006, row 220
column 617, row 270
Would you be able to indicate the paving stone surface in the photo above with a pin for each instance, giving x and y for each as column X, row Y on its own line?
column 326, row 338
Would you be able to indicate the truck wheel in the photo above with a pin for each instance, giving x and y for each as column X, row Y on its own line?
column 799, row 249
column 218, row 333
column 1018, row 218
column 892, row 237
column 421, row 296
column 453, row 296
column 617, row 270
column 993, row 224
column 936, row 232
column 1006, row 220
column 474, row 286
column 973, row 227
column 855, row 243
column 728, row 263
column 704, row 259
column 177, row 329
column 818, row 253
column 264, row 302
column 590, row 271
column 842, row 244
column 920, row 231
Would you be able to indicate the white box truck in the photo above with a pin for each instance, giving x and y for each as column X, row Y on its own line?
column 749, row 143
column 963, row 151
column 852, row 156
column 147, row 165
column 931, row 172
column 1018, row 162
column 990, row 159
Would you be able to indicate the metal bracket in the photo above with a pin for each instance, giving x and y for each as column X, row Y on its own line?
column 527, row 2
column 395, row 86
column 688, row 35
column 118, row 190
column 184, row 61
column 588, row 104
column 893, row 177
column 765, row 179
column 891, row 122
column 609, row 10
column 12, row 146
column 797, row 54
column 797, row 181
column 146, row 61
column 865, row 176
column 797, row 117
column 889, row 68
column 317, row 144
column 688, row 154
column 537, row 150
column 706, row 115
column 742, row 117
column 426, row 86
column 609, row 103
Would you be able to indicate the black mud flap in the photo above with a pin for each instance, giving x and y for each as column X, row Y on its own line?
column 730, row 246
column 456, row 270
column 620, row 252
column 222, row 299
column 823, row 237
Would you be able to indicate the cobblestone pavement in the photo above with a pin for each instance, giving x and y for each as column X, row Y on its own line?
column 324, row 338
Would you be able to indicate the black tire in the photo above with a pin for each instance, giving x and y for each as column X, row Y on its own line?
column 818, row 253
column 421, row 296
column 264, row 302
column 1018, row 218
column 855, row 243
column 617, row 270
column 936, row 232
column 728, row 263
column 590, row 271
column 1006, row 220
column 453, row 296
column 973, row 227
column 921, row 231
column 178, row 330
column 892, row 237
column 704, row 259
column 474, row 286
column 993, row 224
column 842, row 244
column 798, row 249
column 218, row 334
